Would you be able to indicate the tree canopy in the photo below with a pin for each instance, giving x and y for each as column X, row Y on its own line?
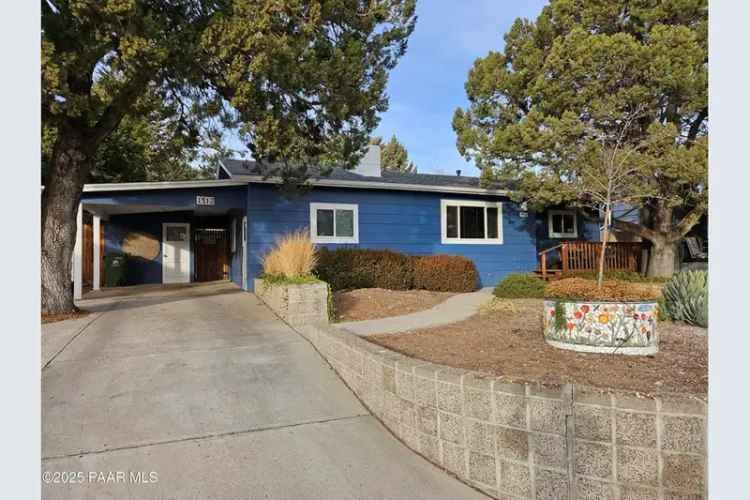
column 303, row 80
column 393, row 155
column 148, row 145
column 546, row 110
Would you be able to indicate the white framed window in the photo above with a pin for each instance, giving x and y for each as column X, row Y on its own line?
column 562, row 224
column 471, row 222
column 334, row 223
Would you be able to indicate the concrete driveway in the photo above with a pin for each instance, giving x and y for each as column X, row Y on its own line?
column 201, row 392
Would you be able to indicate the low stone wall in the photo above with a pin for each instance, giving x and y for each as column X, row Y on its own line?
column 524, row 441
column 295, row 304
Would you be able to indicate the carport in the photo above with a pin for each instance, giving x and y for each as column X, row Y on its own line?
column 160, row 233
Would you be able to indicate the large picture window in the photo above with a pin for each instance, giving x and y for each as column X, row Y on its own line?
column 334, row 223
column 562, row 224
column 471, row 222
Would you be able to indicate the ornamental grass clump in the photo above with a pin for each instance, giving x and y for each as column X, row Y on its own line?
column 292, row 258
column 583, row 289
column 686, row 298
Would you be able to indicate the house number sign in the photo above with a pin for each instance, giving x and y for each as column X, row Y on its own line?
column 205, row 200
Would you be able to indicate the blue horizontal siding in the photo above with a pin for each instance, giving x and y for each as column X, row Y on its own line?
column 141, row 271
column 407, row 222
column 403, row 221
column 587, row 230
column 235, row 261
column 625, row 212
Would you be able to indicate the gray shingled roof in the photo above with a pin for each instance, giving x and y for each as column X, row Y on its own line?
column 246, row 167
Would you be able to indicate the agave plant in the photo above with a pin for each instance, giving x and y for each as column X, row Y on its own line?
column 686, row 297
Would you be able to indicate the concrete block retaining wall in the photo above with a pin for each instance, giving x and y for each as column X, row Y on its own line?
column 295, row 304
column 524, row 441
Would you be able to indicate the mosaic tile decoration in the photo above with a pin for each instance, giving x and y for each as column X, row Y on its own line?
column 601, row 324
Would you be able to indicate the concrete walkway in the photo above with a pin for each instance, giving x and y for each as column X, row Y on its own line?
column 456, row 308
column 201, row 392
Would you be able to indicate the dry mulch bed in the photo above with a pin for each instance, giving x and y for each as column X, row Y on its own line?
column 53, row 318
column 506, row 340
column 375, row 303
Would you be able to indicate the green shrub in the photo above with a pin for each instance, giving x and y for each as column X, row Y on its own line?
column 520, row 286
column 445, row 273
column 686, row 297
column 662, row 314
column 348, row 268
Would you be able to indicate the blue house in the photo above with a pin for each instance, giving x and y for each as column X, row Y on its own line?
column 178, row 232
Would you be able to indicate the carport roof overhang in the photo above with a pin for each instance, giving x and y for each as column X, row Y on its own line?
column 225, row 196
column 146, row 186
column 105, row 210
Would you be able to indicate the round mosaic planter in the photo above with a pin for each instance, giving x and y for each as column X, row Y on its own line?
column 603, row 327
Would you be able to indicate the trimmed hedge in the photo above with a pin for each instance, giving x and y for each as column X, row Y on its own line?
column 520, row 286
column 349, row 268
column 445, row 273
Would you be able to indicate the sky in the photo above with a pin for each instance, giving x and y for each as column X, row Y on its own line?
column 428, row 84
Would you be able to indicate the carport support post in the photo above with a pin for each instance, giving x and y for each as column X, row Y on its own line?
column 78, row 257
column 97, row 249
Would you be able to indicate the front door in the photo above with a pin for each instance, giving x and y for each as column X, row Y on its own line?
column 175, row 253
column 210, row 251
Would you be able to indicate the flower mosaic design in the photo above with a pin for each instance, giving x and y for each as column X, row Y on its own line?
column 602, row 324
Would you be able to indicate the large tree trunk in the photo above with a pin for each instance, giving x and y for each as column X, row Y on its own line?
column 70, row 164
column 665, row 235
column 661, row 261
column 662, row 258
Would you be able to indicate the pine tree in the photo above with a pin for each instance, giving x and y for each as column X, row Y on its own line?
column 547, row 109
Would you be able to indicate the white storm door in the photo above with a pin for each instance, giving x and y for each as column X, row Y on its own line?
column 175, row 255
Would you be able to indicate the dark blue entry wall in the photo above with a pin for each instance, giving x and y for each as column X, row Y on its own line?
column 139, row 270
column 143, row 271
column 404, row 221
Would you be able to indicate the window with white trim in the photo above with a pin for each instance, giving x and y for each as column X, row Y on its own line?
column 471, row 222
column 562, row 224
column 334, row 223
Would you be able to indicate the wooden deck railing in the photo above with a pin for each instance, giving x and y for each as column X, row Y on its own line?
column 583, row 256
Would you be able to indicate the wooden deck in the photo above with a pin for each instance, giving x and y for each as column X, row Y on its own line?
column 583, row 256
